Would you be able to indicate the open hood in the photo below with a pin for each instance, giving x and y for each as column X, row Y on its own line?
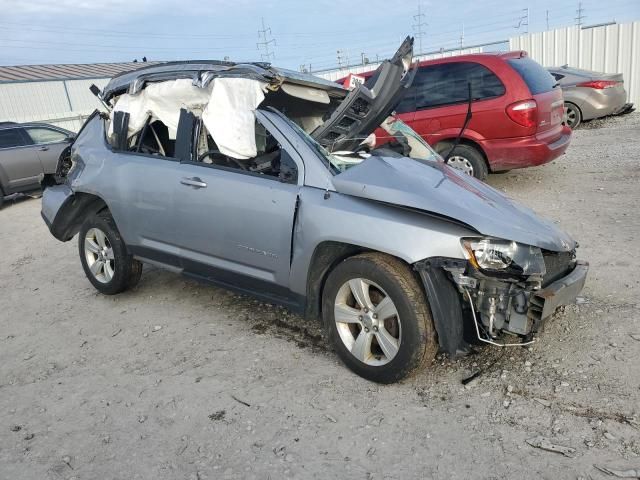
column 367, row 105
column 435, row 188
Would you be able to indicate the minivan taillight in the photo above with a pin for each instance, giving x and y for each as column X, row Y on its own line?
column 524, row 113
column 599, row 84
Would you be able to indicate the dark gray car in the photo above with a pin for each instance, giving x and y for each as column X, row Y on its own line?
column 588, row 95
column 27, row 151
column 398, row 253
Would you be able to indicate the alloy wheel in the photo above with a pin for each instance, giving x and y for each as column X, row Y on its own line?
column 99, row 255
column 460, row 163
column 367, row 321
column 571, row 117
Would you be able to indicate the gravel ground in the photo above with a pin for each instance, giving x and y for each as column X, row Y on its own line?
column 177, row 380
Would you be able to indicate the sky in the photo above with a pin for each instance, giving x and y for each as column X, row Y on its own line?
column 299, row 32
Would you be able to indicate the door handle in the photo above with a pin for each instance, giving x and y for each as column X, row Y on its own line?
column 194, row 182
column 44, row 149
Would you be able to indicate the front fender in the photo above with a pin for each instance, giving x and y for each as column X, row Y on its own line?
column 369, row 225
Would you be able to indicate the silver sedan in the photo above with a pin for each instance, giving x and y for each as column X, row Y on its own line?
column 589, row 95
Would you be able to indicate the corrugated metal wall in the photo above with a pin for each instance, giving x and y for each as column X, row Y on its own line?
column 343, row 72
column 608, row 48
column 65, row 103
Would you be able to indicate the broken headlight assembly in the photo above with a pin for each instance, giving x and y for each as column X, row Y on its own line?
column 493, row 256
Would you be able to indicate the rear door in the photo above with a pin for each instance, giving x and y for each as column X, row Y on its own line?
column 50, row 143
column 19, row 162
column 547, row 93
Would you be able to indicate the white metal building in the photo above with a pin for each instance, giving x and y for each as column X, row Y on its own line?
column 613, row 48
column 335, row 74
column 56, row 94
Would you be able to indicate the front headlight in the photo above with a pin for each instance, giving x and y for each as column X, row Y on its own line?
column 503, row 256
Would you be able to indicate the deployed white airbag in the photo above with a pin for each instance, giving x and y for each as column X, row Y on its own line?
column 227, row 106
column 230, row 115
column 163, row 102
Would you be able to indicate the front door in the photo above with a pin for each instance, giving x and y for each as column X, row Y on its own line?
column 237, row 216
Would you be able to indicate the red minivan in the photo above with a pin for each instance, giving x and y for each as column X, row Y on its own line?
column 517, row 111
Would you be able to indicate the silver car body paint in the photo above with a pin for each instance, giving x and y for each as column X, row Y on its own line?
column 436, row 188
column 249, row 230
column 277, row 235
column 21, row 166
column 593, row 103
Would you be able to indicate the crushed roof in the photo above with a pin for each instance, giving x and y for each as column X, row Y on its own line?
column 29, row 73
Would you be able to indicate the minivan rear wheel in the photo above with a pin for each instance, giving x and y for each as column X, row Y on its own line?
column 103, row 253
column 377, row 317
column 466, row 159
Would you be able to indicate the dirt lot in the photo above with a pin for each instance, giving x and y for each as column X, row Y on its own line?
column 176, row 380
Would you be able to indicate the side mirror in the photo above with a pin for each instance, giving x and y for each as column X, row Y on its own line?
column 70, row 139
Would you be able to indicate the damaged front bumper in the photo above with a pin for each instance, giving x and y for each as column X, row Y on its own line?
column 543, row 303
column 464, row 304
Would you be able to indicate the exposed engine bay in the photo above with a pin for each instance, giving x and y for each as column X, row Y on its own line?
column 503, row 286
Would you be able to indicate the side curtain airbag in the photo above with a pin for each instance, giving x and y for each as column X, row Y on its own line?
column 230, row 115
column 163, row 102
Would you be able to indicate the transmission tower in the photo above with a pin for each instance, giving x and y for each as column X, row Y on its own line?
column 579, row 15
column 547, row 17
column 343, row 58
column 417, row 27
column 266, row 54
column 523, row 21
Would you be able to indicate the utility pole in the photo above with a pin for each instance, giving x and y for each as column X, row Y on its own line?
column 340, row 55
column 579, row 15
column 266, row 43
column 462, row 38
column 364, row 58
column 420, row 22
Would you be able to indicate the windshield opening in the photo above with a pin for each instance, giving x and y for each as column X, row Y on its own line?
column 394, row 139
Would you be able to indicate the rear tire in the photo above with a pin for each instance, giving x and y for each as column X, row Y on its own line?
column 572, row 115
column 394, row 336
column 103, row 253
column 465, row 158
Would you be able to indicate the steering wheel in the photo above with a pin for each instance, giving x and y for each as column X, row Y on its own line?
column 209, row 153
column 149, row 150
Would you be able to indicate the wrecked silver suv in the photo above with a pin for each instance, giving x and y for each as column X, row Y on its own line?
column 257, row 179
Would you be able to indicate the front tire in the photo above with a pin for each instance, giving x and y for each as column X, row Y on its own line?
column 103, row 253
column 377, row 317
column 466, row 159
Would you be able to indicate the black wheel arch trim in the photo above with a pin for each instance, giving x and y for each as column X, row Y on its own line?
column 444, row 302
column 72, row 214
